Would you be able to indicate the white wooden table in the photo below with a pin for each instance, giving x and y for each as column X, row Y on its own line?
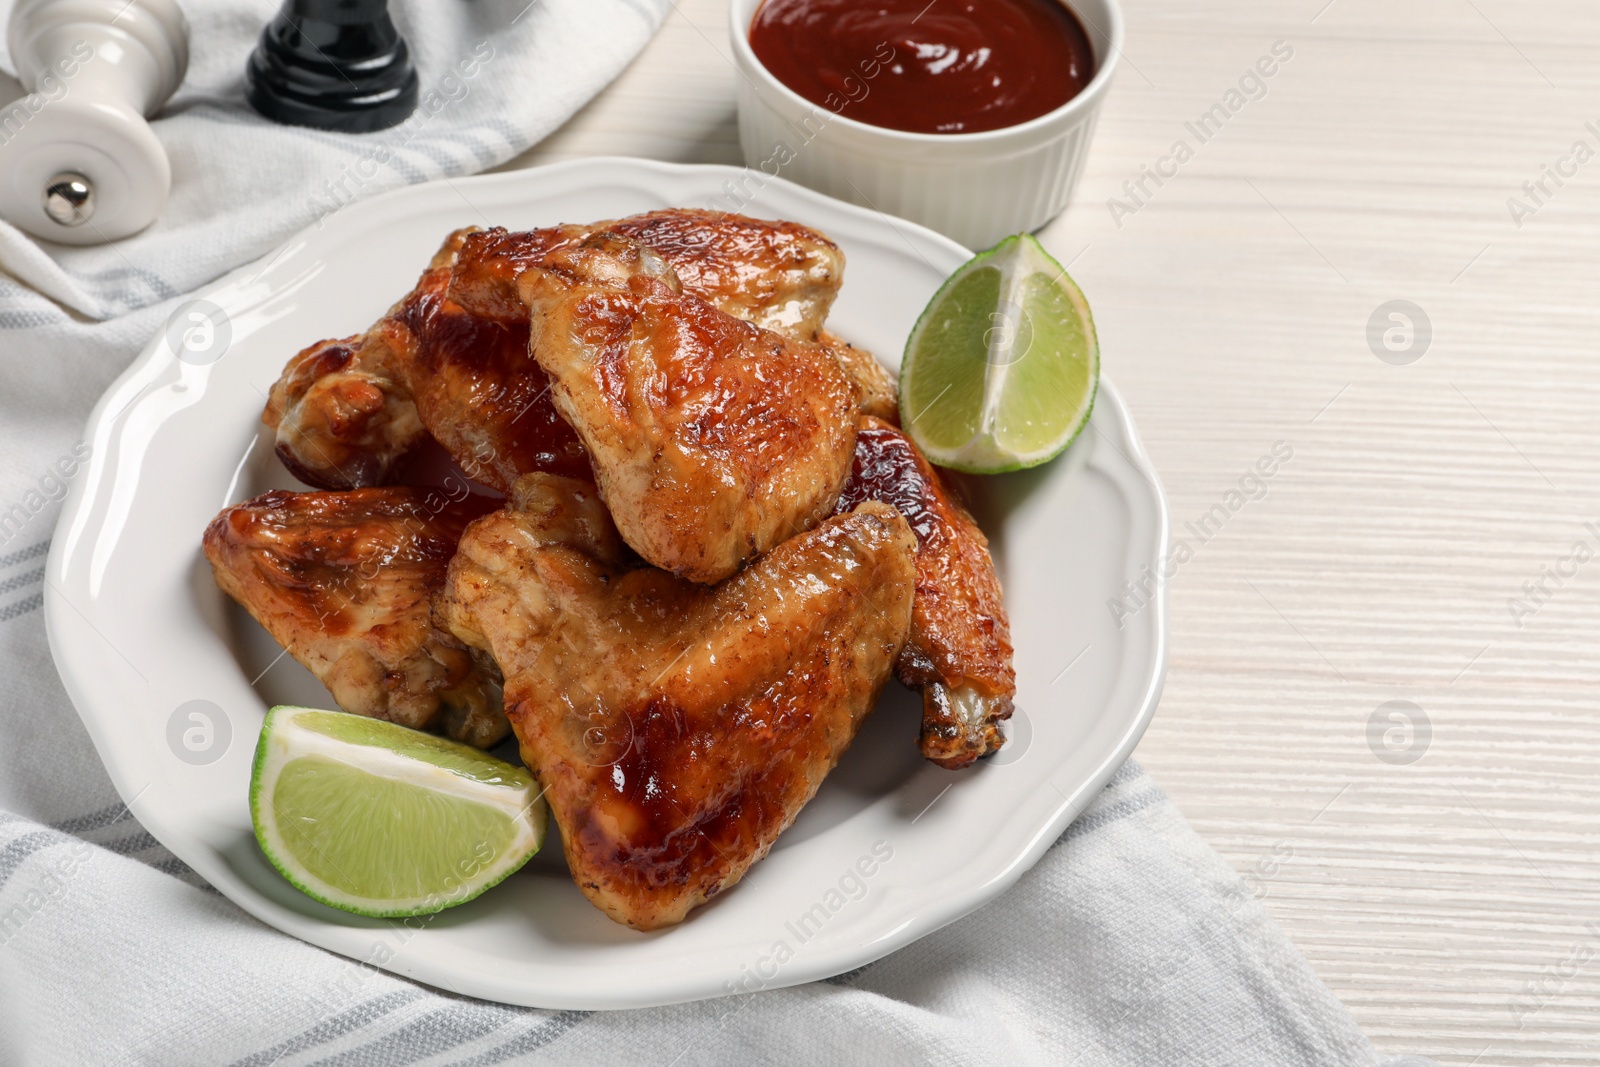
column 1453, row 902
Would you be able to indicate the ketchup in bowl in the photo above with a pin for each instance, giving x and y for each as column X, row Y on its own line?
column 950, row 66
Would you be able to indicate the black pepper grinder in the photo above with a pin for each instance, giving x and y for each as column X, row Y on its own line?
column 333, row 64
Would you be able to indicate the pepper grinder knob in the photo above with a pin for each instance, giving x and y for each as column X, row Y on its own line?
column 333, row 65
column 78, row 162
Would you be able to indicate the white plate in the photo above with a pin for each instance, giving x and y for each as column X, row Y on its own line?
column 139, row 631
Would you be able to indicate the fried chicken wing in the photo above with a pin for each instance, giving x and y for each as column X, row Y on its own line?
column 480, row 394
column 677, row 729
column 347, row 411
column 712, row 440
column 342, row 416
column 345, row 582
column 959, row 654
column 876, row 388
column 778, row 275
column 484, row 273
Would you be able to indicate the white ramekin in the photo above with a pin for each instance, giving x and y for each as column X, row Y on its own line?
column 975, row 187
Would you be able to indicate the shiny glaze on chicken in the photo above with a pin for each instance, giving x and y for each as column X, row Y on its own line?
column 345, row 582
column 677, row 729
column 346, row 412
column 959, row 654
column 778, row 275
column 480, row 394
column 342, row 416
column 712, row 439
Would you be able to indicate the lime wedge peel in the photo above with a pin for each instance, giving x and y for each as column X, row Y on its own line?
column 381, row 820
column 1002, row 368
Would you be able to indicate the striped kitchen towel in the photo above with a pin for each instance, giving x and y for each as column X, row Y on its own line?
column 22, row 571
column 1130, row 942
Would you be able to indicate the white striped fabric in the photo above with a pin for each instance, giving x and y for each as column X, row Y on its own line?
column 1130, row 943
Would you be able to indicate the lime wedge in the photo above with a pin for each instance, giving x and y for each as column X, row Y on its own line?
column 381, row 820
column 1000, row 371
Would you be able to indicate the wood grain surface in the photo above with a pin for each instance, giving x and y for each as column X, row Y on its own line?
column 1428, row 539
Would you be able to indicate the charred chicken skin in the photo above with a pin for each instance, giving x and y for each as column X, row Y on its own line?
column 676, row 728
column 344, row 581
column 959, row 653
column 347, row 411
column 712, row 439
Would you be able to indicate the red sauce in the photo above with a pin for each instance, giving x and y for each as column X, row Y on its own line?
column 950, row 66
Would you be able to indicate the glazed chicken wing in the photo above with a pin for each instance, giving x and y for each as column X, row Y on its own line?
column 677, row 729
column 779, row 275
column 959, row 654
column 480, row 394
column 347, row 411
column 345, row 582
column 712, row 439
column 877, row 391
column 342, row 416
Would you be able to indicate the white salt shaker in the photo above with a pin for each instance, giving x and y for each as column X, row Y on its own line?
column 78, row 162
